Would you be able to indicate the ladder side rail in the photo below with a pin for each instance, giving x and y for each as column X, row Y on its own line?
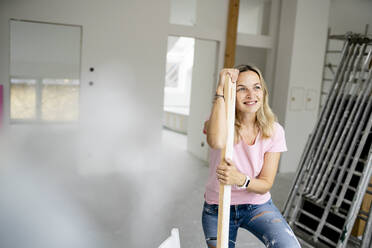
column 333, row 196
column 298, row 177
column 348, row 51
column 348, row 131
column 337, row 138
column 356, row 155
column 354, row 161
column 319, row 129
column 322, row 147
column 322, row 129
column 346, row 183
column 301, row 170
column 362, row 187
column 324, row 64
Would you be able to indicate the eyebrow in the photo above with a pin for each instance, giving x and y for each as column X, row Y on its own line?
column 242, row 85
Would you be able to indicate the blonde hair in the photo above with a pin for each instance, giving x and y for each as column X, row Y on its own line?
column 265, row 117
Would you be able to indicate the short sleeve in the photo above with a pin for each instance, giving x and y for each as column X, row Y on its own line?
column 278, row 143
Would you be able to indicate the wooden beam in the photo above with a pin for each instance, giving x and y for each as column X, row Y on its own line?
column 227, row 152
column 231, row 33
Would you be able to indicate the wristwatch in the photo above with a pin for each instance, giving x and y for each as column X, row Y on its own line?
column 246, row 183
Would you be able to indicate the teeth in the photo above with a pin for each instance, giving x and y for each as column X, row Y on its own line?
column 250, row 103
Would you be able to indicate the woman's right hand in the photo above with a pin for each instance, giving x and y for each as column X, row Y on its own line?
column 225, row 72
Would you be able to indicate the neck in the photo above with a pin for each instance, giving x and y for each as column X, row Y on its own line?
column 248, row 119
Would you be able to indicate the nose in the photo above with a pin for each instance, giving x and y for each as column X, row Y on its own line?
column 249, row 93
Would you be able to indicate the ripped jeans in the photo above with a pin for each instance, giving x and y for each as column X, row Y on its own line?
column 263, row 220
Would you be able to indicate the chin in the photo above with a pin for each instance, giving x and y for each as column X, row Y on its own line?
column 245, row 109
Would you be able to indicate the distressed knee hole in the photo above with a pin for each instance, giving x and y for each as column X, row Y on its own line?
column 290, row 232
column 260, row 214
column 276, row 220
column 211, row 242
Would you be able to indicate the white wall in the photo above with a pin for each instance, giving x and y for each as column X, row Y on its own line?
column 251, row 55
column 116, row 42
column 299, row 73
column 121, row 114
column 253, row 16
column 45, row 50
column 183, row 12
column 346, row 15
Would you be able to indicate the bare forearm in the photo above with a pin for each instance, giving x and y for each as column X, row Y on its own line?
column 216, row 130
column 259, row 186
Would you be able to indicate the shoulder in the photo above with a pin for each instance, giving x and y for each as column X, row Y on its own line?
column 278, row 133
column 277, row 128
column 278, row 142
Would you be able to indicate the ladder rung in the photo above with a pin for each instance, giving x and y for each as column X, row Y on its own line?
column 355, row 240
column 334, row 51
column 349, row 187
column 354, row 172
column 310, row 215
column 330, row 65
column 328, row 240
column 359, row 159
column 344, row 200
column 333, row 227
column 347, row 201
column 341, row 215
column 304, row 227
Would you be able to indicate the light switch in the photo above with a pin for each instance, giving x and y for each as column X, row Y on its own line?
column 297, row 99
column 310, row 99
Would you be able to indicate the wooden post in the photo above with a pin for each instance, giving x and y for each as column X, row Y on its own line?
column 231, row 33
column 227, row 152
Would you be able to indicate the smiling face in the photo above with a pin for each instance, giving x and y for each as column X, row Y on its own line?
column 249, row 92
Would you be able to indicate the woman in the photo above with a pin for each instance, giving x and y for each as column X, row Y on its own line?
column 258, row 142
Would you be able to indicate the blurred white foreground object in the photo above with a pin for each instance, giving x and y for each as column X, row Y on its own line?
column 173, row 241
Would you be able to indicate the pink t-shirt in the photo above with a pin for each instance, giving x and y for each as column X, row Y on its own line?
column 248, row 160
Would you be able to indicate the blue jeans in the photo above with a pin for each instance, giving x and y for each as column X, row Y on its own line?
column 263, row 220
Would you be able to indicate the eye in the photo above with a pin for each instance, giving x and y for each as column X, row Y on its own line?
column 241, row 89
column 257, row 87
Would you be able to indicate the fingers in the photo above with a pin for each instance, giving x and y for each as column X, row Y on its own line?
column 222, row 177
column 205, row 127
column 229, row 162
column 223, row 173
column 226, row 172
column 234, row 75
column 231, row 72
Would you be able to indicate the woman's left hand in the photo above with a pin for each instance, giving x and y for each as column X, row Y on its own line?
column 227, row 173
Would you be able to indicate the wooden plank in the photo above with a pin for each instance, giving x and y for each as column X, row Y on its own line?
column 227, row 152
column 231, row 33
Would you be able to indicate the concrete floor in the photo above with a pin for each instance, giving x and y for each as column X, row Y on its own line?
column 135, row 203
column 188, row 216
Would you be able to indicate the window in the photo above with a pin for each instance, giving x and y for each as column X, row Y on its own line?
column 44, row 72
column 22, row 99
column 178, row 76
